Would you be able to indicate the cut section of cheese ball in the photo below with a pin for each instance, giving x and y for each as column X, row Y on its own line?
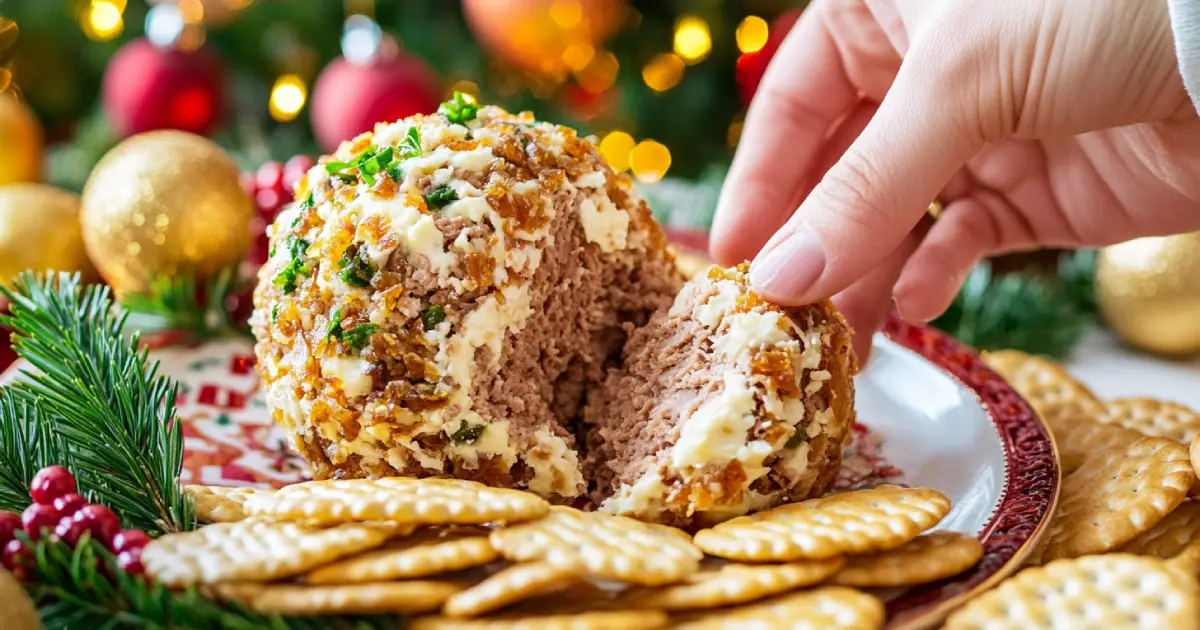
column 725, row 404
column 444, row 293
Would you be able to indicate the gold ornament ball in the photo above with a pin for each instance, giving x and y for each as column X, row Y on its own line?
column 20, row 142
column 1149, row 292
column 40, row 230
column 161, row 204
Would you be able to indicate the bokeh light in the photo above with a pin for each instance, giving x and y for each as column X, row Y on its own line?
column 103, row 20
column 288, row 97
column 616, row 147
column 566, row 13
column 600, row 74
column 469, row 89
column 578, row 55
column 752, row 34
column 693, row 41
column 663, row 72
column 649, row 161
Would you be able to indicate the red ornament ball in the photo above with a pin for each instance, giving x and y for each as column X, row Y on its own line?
column 130, row 561
column 37, row 517
column 129, row 539
column 148, row 87
column 50, row 483
column 349, row 98
column 752, row 66
column 100, row 521
column 9, row 524
column 16, row 558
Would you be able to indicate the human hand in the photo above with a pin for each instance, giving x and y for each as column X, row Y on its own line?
column 1036, row 122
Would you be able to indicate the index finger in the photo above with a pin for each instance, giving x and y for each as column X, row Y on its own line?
column 804, row 92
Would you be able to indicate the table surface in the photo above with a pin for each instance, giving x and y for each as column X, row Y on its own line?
column 1114, row 371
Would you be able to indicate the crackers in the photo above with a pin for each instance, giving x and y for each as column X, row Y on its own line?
column 1171, row 535
column 1116, row 495
column 926, row 558
column 220, row 504
column 1058, row 398
column 415, row 596
column 613, row 547
column 253, row 550
column 828, row 608
column 1155, row 418
column 734, row 584
column 590, row 620
column 430, row 553
column 398, row 500
column 877, row 519
column 509, row 586
column 1115, row 592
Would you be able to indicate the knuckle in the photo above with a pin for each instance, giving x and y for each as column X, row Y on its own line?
column 851, row 191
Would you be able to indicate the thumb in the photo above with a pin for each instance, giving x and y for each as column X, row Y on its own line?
column 879, row 189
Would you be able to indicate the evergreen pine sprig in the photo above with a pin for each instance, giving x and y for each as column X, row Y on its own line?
column 1036, row 312
column 84, row 589
column 183, row 304
column 112, row 414
column 28, row 443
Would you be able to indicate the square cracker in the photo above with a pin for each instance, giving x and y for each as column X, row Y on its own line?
column 880, row 518
column 826, row 608
column 254, row 550
column 413, row 596
column 398, row 500
column 1117, row 495
column 1115, row 592
column 613, row 547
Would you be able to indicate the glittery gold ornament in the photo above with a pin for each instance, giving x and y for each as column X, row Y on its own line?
column 1149, row 292
column 164, row 203
column 39, row 230
column 20, row 141
column 17, row 611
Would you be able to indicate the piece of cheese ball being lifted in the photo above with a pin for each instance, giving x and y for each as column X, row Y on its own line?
column 725, row 404
column 446, row 291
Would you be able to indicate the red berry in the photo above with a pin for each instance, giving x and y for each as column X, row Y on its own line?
column 249, row 183
column 129, row 539
column 9, row 523
column 16, row 556
column 69, row 530
column 269, row 176
column 269, row 201
column 130, row 561
column 37, row 517
column 69, row 504
column 101, row 521
column 294, row 169
column 50, row 483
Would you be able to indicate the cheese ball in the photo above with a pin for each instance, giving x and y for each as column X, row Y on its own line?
column 444, row 293
column 725, row 404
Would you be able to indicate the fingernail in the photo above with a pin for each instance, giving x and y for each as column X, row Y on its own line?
column 790, row 268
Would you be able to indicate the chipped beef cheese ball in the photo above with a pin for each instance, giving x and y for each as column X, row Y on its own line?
column 445, row 292
column 725, row 404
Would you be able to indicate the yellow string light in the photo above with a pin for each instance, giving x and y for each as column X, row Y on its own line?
column 600, row 74
column 578, row 55
column 663, row 72
column 616, row 147
column 103, row 21
column 192, row 11
column 752, row 34
column 649, row 160
column 288, row 97
column 693, row 41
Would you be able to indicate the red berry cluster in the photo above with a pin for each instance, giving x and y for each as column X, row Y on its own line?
column 61, row 513
column 272, row 188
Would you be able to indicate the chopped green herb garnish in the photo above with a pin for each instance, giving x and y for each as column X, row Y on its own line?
column 524, row 141
column 296, row 245
column 468, row 433
column 357, row 271
column 357, row 337
column 289, row 276
column 274, row 313
column 335, row 324
column 797, row 438
column 395, row 172
column 333, row 168
column 410, row 146
column 433, row 315
column 441, row 197
column 459, row 109
column 307, row 203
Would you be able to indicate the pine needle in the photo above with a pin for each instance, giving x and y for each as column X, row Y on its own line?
column 113, row 415
column 182, row 304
